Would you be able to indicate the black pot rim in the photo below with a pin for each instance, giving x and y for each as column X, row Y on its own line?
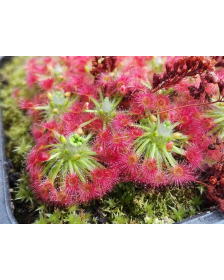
column 6, row 214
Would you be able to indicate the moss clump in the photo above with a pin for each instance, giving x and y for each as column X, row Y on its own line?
column 16, row 123
column 130, row 205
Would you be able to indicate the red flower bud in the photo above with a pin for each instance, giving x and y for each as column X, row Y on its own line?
column 213, row 181
column 221, row 86
column 156, row 80
column 168, row 68
column 211, row 77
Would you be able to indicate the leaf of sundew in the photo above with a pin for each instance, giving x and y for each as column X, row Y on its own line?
column 146, row 134
column 158, row 159
column 85, row 171
column 147, row 153
column 93, row 157
column 87, row 153
column 213, row 130
column 82, row 167
column 48, row 166
column 151, row 124
column 78, row 172
column 92, row 163
column 54, row 151
column 178, row 150
column 141, row 149
column 152, row 154
column 95, row 162
column 118, row 101
column 85, row 157
column 215, row 113
column 158, row 119
column 219, row 120
column 72, row 101
column 79, row 166
column 138, row 143
column 52, row 145
column 101, row 95
column 88, row 138
column 143, row 127
column 114, row 98
column 85, row 163
column 174, row 125
column 95, row 102
column 146, row 84
column 54, row 156
column 170, row 158
column 41, row 107
column 55, row 169
column 165, row 160
column 71, row 169
column 64, row 170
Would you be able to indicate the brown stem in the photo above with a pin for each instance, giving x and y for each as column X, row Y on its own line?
column 199, row 182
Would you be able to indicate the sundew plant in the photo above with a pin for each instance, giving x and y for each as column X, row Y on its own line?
column 104, row 120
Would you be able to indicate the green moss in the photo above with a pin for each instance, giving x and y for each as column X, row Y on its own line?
column 16, row 123
column 126, row 204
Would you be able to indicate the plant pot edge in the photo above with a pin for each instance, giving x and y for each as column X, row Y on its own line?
column 6, row 213
column 206, row 217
